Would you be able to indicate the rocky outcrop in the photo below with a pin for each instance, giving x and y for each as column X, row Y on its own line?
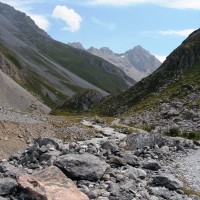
column 81, row 102
column 174, row 115
column 50, row 184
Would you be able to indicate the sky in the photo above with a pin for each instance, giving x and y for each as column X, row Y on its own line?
column 159, row 26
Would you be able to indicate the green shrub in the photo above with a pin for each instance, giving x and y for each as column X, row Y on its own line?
column 173, row 132
column 149, row 128
column 192, row 135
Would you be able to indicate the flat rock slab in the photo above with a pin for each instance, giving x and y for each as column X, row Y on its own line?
column 50, row 184
column 85, row 166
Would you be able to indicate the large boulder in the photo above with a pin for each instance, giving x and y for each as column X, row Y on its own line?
column 50, row 184
column 85, row 166
column 168, row 181
column 141, row 140
column 7, row 185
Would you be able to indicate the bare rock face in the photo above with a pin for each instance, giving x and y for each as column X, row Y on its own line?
column 50, row 184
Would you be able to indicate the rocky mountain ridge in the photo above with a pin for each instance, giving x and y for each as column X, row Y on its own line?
column 136, row 63
column 176, row 79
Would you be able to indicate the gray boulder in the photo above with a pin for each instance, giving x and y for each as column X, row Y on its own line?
column 85, row 166
column 168, row 181
column 49, row 142
column 131, row 159
column 152, row 165
column 7, row 185
column 141, row 140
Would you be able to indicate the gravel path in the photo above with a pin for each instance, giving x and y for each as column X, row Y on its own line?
column 189, row 168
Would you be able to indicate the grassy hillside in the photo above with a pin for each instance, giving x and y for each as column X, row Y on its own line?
column 91, row 68
column 50, row 69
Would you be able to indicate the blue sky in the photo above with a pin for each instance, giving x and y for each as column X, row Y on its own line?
column 157, row 25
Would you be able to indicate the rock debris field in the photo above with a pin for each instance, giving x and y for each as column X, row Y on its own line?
column 111, row 166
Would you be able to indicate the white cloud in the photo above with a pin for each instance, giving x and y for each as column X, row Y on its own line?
column 178, row 4
column 161, row 58
column 22, row 5
column 105, row 25
column 72, row 19
column 175, row 33
column 40, row 20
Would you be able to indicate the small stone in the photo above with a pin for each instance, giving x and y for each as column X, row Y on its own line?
column 110, row 145
column 102, row 198
column 106, row 177
column 139, row 173
column 117, row 161
column 92, row 194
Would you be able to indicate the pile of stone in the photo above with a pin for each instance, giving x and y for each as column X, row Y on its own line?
column 168, row 115
column 51, row 169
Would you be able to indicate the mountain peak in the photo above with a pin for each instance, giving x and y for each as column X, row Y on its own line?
column 106, row 50
column 193, row 38
column 140, row 57
column 76, row 45
column 19, row 19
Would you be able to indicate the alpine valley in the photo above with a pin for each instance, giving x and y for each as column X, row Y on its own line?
column 90, row 124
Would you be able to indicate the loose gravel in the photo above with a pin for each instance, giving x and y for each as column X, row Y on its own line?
column 189, row 168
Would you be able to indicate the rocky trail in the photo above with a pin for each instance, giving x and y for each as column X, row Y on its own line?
column 110, row 165
column 189, row 168
column 18, row 129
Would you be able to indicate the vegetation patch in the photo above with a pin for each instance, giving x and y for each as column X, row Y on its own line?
column 149, row 127
column 10, row 56
column 175, row 132
column 35, row 83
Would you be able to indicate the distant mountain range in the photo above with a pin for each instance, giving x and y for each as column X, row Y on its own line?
column 49, row 69
column 136, row 63
column 178, row 78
